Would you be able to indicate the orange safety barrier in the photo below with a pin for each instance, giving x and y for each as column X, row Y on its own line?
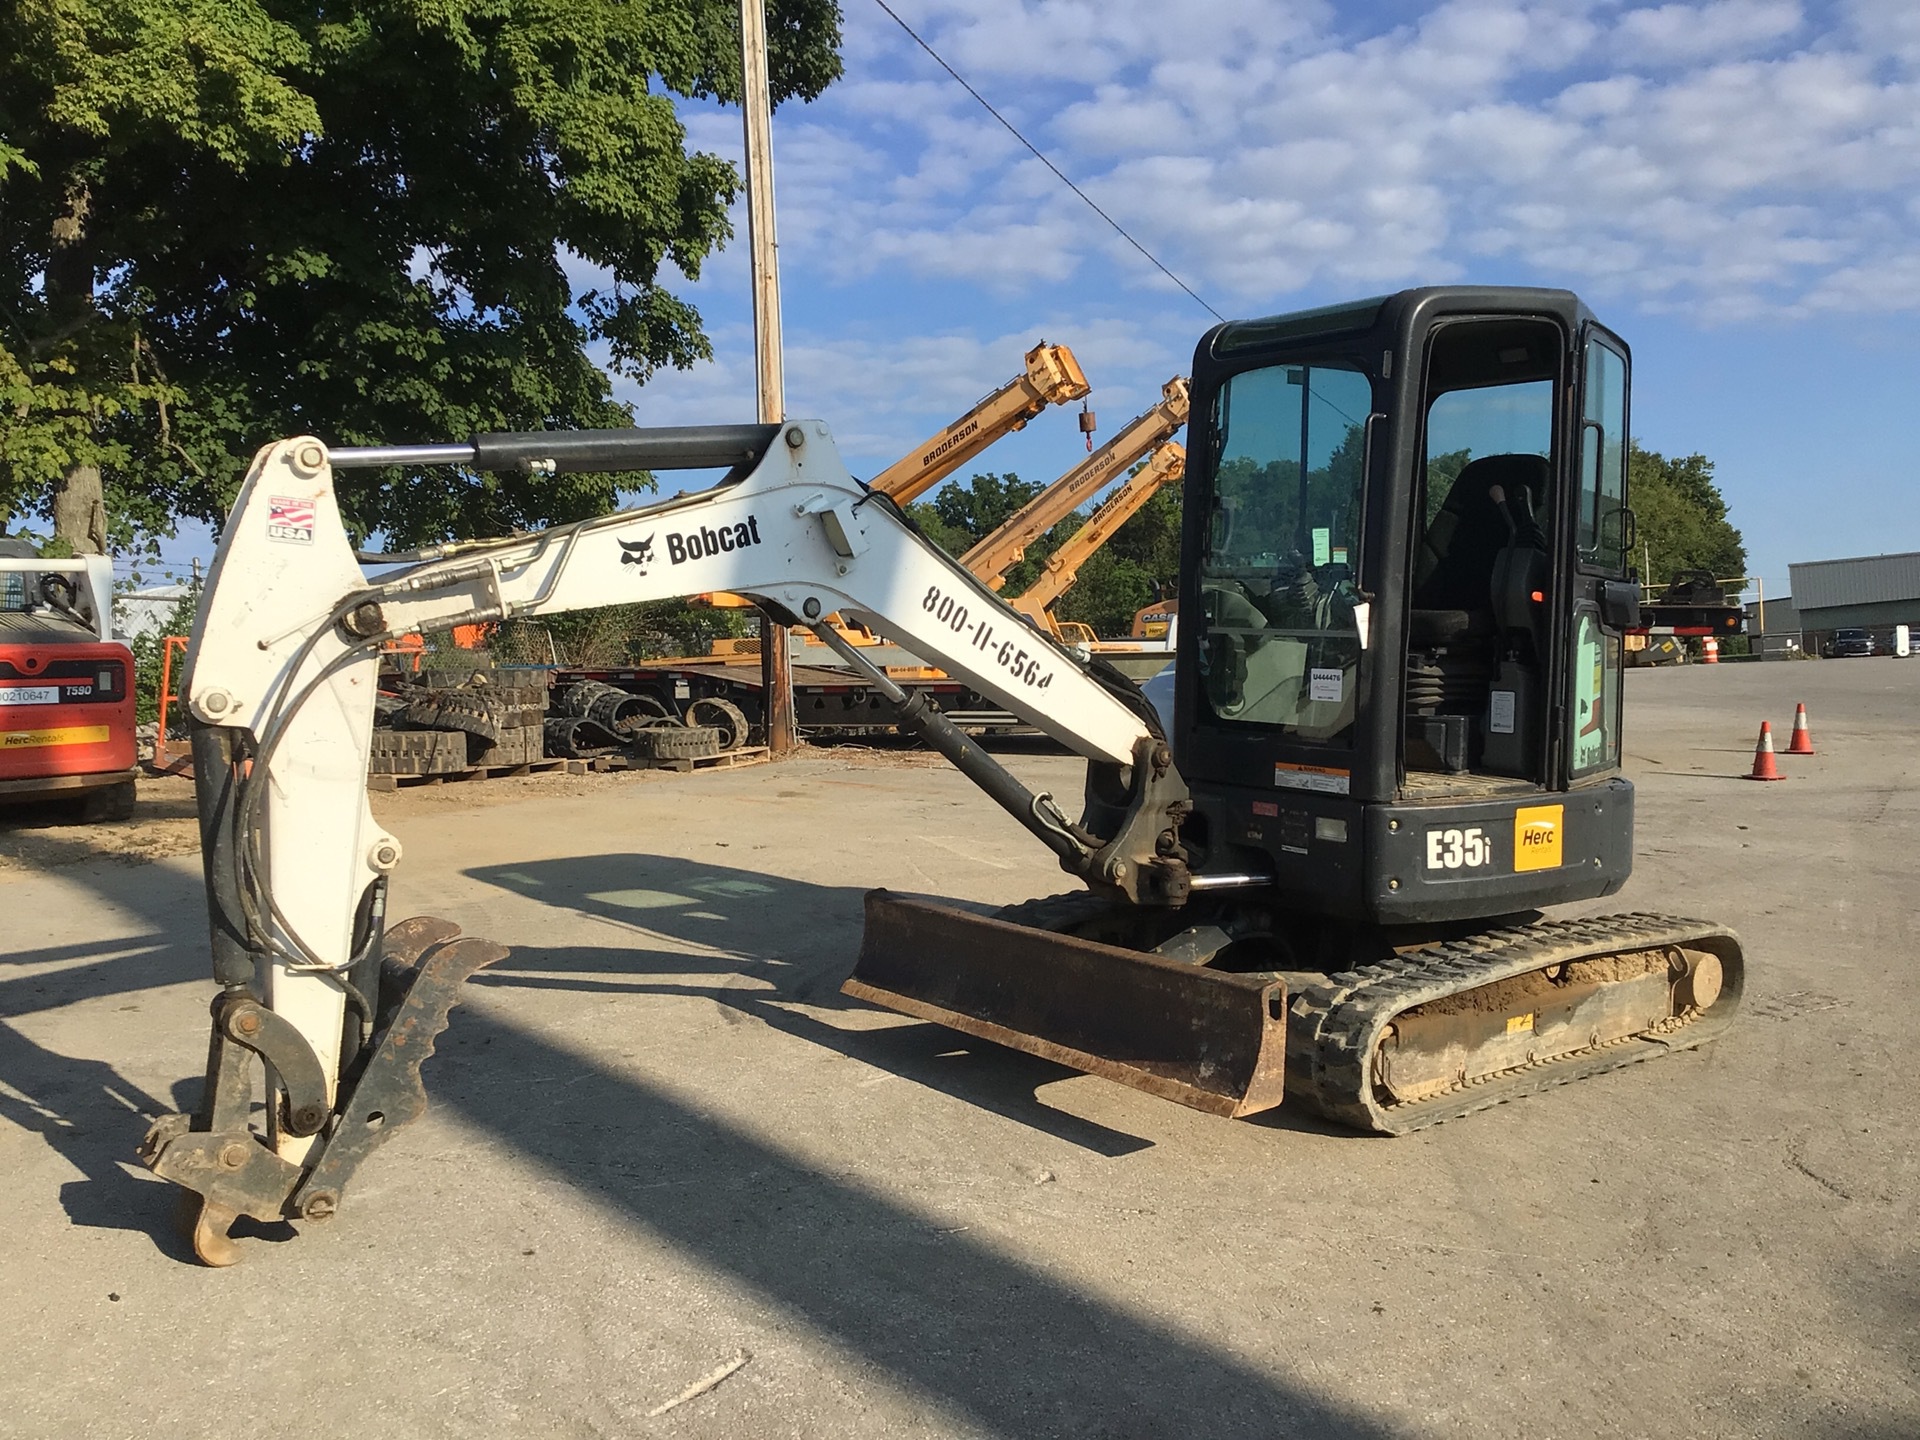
column 165, row 761
column 409, row 647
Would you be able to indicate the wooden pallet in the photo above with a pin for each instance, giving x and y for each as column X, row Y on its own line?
column 725, row 760
column 479, row 772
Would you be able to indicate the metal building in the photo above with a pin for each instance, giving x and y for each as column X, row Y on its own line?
column 1868, row 592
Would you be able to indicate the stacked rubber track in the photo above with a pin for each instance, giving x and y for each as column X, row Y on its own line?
column 1334, row 1028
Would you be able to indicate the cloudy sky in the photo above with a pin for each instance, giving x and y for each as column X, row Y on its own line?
column 1734, row 185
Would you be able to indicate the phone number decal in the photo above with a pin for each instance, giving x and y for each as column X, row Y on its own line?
column 1009, row 654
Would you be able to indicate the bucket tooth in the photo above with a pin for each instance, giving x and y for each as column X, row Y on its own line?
column 1208, row 1039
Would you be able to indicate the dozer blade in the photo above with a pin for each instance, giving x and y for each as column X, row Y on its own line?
column 1211, row 1040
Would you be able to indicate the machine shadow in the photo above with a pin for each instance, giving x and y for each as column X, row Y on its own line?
column 776, row 951
column 85, row 1110
column 798, row 940
column 1016, row 1350
column 89, row 1115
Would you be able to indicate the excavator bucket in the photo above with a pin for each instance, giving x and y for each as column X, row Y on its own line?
column 1205, row 1038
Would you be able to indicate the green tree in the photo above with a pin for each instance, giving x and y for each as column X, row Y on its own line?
column 982, row 505
column 1442, row 470
column 958, row 517
column 1138, row 565
column 1681, row 518
column 223, row 221
column 147, row 651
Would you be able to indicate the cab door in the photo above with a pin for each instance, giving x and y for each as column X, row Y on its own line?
column 1603, row 601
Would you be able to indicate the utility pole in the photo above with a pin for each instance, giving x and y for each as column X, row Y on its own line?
column 776, row 666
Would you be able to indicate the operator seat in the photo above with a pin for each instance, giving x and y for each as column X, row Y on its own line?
column 1454, row 571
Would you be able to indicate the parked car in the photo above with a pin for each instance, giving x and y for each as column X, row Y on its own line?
column 1849, row 642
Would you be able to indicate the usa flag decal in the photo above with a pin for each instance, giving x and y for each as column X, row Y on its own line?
column 290, row 520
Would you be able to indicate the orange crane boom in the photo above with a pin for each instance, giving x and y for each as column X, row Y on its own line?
column 1000, row 551
column 1165, row 466
column 1051, row 377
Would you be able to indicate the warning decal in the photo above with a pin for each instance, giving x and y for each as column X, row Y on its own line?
column 1326, row 780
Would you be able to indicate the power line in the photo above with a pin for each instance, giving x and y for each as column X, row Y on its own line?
column 1058, row 173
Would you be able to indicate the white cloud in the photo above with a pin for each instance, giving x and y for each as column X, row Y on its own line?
column 1674, row 34
column 885, row 392
column 1891, row 27
column 1259, row 149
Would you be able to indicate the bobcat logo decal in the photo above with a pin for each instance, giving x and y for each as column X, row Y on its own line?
column 637, row 552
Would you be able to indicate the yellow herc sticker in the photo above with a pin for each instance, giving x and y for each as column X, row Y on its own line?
column 67, row 735
column 1536, row 837
column 1517, row 1023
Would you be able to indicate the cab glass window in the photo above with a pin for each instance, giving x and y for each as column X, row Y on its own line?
column 1601, row 529
column 1594, row 714
column 1281, row 640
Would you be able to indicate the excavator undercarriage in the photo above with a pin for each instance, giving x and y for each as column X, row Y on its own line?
column 1212, row 1014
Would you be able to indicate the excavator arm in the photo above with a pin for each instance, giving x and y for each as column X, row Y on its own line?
column 283, row 674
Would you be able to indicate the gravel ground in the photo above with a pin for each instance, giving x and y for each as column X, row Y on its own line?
column 661, row 1141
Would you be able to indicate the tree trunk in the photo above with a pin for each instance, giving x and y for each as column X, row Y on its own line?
column 79, row 508
column 78, row 502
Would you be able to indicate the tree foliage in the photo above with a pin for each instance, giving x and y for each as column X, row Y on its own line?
column 223, row 221
column 1681, row 518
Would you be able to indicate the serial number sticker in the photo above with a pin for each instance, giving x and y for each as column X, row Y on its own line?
column 1517, row 1023
column 1008, row 652
column 29, row 694
column 1467, row 848
column 1322, row 778
column 1500, row 712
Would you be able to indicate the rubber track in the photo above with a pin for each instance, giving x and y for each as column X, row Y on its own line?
column 1329, row 1063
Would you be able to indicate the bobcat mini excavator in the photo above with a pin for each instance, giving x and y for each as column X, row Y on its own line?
column 1396, row 735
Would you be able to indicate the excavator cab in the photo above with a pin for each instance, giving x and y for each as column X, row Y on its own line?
column 1404, row 554
column 1397, row 711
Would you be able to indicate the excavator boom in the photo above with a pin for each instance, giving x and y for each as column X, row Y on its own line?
column 1052, row 376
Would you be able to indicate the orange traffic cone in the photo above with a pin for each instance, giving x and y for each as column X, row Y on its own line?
column 1763, row 766
column 1802, row 741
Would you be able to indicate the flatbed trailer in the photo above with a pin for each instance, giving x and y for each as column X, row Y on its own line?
column 1718, row 621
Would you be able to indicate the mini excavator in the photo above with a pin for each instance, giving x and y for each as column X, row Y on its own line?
column 1396, row 736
